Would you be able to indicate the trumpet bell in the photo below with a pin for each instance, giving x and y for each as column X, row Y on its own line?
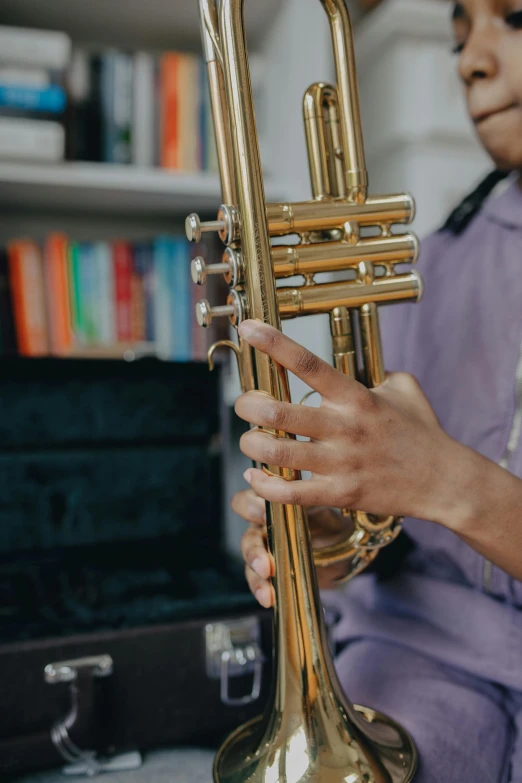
column 316, row 747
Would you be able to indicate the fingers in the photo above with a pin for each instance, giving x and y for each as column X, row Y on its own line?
column 263, row 590
column 264, row 411
column 322, row 377
column 249, row 506
column 283, row 452
column 277, row 490
column 259, row 566
column 255, row 553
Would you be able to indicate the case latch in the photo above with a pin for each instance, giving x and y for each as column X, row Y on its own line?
column 233, row 650
column 80, row 673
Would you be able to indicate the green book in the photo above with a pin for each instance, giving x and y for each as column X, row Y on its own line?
column 77, row 314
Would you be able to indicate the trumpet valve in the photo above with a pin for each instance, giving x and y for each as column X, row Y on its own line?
column 234, row 309
column 200, row 270
column 226, row 225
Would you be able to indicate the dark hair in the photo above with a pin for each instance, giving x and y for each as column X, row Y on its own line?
column 470, row 206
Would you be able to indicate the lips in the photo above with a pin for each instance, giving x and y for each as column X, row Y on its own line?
column 485, row 115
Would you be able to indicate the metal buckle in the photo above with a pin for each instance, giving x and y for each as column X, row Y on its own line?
column 82, row 762
column 233, row 650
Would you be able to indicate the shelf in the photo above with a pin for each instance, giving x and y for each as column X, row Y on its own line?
column 155, row 24
column 110, row 189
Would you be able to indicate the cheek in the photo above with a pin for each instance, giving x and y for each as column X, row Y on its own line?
column 512, row 62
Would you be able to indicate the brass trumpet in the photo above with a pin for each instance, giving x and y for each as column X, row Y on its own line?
column 311, row 731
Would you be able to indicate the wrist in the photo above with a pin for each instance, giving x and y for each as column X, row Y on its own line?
column 456, row 499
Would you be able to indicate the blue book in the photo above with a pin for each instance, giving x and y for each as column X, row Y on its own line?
column 51, row 100
column 144, row 267
column 88, row 292
column 163, row 297
column 181, row 287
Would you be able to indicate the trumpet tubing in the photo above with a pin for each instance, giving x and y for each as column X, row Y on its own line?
column 311, row 732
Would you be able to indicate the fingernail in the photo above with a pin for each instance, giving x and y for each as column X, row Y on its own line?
column 261, row 596
column 247, row 475
column 246, row 329
column 256, row 565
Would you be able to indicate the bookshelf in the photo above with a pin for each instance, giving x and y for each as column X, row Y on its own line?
column 111, row 189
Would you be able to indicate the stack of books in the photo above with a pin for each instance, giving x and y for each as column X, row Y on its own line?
column 33, row 100
column 67, row 298
column 142, row 109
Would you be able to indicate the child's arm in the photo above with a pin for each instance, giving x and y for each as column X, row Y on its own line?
column 382, row 451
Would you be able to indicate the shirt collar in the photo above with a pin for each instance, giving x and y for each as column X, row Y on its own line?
column 506, row 208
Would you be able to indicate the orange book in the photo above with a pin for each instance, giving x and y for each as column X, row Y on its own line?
column 56, row 272
column 169, row 110
column 28, row 293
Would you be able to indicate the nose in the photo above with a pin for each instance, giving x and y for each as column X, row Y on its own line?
column 479, row 56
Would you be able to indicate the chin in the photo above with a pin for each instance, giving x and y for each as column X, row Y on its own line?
column 506, row 156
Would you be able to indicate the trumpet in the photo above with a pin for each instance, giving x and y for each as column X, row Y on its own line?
column 310, row 731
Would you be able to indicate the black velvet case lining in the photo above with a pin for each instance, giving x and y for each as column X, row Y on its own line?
column 109, row 497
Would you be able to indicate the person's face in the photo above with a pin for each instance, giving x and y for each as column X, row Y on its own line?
column 488, row 37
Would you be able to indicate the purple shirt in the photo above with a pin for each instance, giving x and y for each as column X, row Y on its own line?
column 463, row 343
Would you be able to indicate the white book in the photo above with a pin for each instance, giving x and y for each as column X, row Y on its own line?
column 143, row 110
column 43, row 48
column 26, row 77
column 33, row 140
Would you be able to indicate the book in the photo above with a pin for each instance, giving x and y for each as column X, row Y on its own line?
column 169, row 110
column 28, row 294
column 180, row 290
column 57, row 288
column 188, row 115
column 163, row 298
column 31, row 140
column 116, row 101
column 25, row 75
column 104, row 286
column 146, row 251
column 122, row 265
column 50, row 99
column 77, row 319
column 140, row 260
column 89, row 292
column 43, row 48
column 7, row 325
column 143, row 110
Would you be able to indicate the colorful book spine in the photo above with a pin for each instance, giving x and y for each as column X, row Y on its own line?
column 105, row 296
column 138, row 295
column 142, row 292
column 163, row 301
column 51, row 100
column 180, row 289
column 77, row 315
column 188, row 114
column 116, row 88
column 169, row 108
column 57, row 286
column 7, row 323
column 89, row 292
column 122, row 261
column 28, row 292
column 143, row 110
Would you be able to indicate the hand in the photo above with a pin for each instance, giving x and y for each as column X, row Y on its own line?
column 326, row 527
column 381, row 450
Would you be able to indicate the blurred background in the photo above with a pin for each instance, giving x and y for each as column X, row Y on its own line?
column 106, row 144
